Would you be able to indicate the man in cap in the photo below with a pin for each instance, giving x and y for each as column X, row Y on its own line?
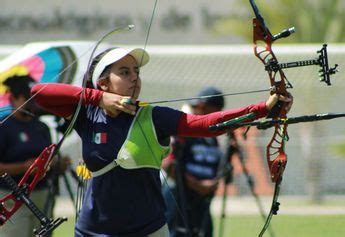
column 197, row 160
column 22, row 138
column 19, row 90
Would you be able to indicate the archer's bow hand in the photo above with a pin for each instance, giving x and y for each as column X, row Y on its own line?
column 273, row 100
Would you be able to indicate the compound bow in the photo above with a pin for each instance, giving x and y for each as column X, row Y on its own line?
column 275, row 150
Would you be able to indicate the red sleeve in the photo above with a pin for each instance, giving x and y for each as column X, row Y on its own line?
column 61, row 99
column 197, row 125
column 166, row 162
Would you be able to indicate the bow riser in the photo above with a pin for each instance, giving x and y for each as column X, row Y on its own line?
column 11, row 203
column 262, row 40
column 275, row 155
column 263, row 51
column 7, row 212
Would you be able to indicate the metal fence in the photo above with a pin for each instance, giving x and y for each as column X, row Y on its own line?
column 313, row 167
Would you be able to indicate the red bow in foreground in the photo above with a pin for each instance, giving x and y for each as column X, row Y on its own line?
column 21, row 191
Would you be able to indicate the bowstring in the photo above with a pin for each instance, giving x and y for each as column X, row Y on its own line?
column 204, row 97
column 140, row 126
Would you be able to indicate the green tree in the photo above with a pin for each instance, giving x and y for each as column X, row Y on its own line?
column 315, row 20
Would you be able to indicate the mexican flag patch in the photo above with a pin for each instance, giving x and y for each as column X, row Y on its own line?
column 23, row 137
column 100, row 138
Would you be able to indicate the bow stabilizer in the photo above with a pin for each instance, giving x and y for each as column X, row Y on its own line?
column 268, row 123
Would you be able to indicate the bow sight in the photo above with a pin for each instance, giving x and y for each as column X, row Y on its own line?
column 272, row 64
column 324, row 72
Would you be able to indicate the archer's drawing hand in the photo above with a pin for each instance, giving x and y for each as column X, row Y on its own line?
column 273, row 99
column 114, row 104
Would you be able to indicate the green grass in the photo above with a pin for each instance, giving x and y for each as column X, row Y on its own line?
column 249, row 226
column 66, row 229
column 285, row 226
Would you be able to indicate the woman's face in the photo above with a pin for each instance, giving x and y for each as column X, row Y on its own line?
column 124, row 78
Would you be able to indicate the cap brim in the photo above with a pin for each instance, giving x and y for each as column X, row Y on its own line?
column 140, row 55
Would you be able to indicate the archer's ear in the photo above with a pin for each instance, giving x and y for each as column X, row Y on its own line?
column 103, row 84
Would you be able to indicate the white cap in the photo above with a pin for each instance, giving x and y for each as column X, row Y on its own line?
column 140, row 55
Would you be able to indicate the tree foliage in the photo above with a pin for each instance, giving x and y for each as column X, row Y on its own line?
column 315, row 20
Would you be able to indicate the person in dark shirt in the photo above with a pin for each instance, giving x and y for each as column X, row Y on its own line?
column 195, row 164
column 22, row 138
column 123, row 144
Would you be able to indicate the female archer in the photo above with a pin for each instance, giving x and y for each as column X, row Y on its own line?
column 124, row 144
